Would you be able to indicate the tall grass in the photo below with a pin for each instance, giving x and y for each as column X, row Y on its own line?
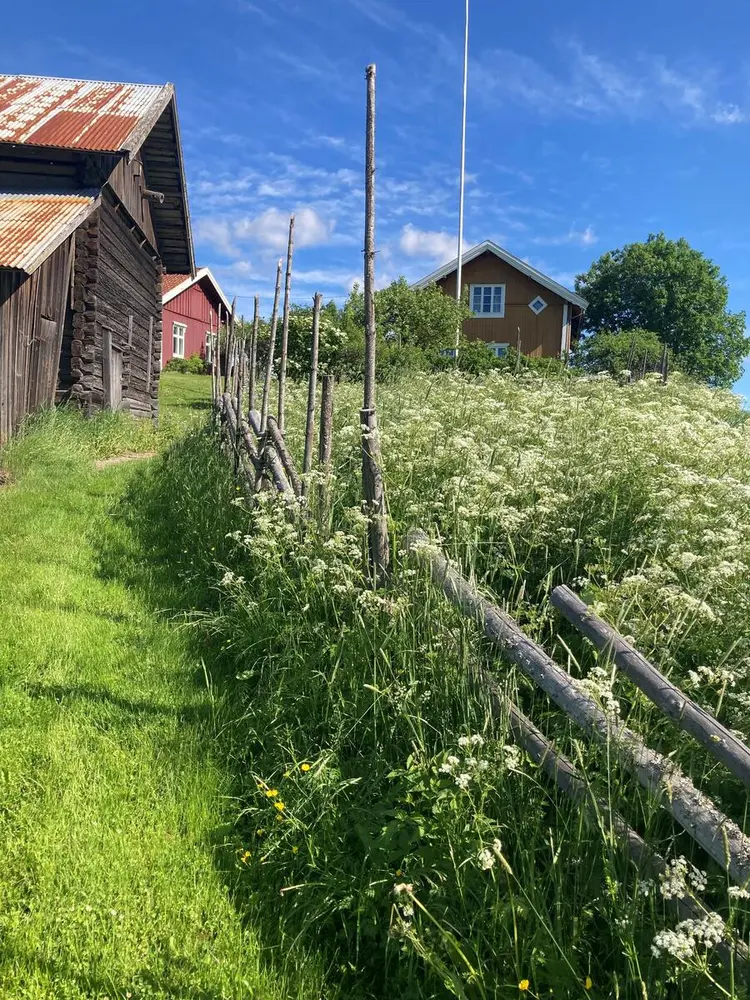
column 380, row 818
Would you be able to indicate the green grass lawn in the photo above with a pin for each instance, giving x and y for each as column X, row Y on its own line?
column 113, row 801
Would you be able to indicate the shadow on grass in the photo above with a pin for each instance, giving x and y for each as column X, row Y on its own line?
column 165, row 540
column 192, row 715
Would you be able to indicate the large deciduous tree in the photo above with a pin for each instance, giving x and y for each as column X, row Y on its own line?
column 668, row 287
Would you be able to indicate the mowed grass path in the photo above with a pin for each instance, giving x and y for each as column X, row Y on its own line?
column 112, row 796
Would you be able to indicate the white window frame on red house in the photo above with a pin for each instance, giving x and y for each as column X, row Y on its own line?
column 489, row 298
column 178, row 337
column 210, row 341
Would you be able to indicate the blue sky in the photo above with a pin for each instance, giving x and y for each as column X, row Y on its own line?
column 589, row 126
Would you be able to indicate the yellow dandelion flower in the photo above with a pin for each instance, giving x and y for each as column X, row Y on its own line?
column 280, row 818
column 272, row 793
column 295, row 849
column 245, row 857
column 259, row 832
column 588, row 983
column 281, row 806
column 305, row 767
column 523, row 985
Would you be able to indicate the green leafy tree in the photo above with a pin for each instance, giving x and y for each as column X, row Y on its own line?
column 675, row 291
column 605, row 351
column 426, row 318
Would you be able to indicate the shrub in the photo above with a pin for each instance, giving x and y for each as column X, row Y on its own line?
column 194, row 365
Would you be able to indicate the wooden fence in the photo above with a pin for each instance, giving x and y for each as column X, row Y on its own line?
column 258, row 450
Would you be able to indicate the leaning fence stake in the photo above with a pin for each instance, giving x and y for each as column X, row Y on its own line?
column 271, row 348
column 718, row 835
column 277, row 440
column 285, row 326
column 325, row 443
column 312, row 388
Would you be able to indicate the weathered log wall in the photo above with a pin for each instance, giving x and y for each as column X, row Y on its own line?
column 111, row 351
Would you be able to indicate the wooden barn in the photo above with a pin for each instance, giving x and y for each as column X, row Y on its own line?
column 93, row 209
column 507, row 295
column 194, row 310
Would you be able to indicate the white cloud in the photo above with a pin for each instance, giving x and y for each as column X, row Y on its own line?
column 580, row 237
column 216, row 233
column 437, row 246
column 271, row 229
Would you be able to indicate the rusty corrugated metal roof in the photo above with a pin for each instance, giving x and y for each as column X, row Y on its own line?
column 33, row 225
column 76, row 114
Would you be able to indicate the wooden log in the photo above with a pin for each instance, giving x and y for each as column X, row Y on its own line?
column 718, row 835
column 233, row 353
column 374, row 497
column 238, row 398
column 271, row 349
column 683, row 712
column 285, row 326
column 277, row 439
column 611, row 823
column 272, row 459
column 312, row 388
column 253, row 354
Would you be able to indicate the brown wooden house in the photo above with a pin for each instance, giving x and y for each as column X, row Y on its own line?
column 506, row 295
column 93, row 209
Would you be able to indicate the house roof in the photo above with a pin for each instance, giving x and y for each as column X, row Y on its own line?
column 175, row 284
column 79, row 114
column 32, row 226
column 89, row 116
column 513, row 261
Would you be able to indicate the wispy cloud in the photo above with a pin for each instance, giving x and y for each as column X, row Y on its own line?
column 269, row 230
column 588, row 85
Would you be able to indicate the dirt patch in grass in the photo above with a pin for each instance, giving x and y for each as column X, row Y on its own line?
column 5, row 478
column 119, row 459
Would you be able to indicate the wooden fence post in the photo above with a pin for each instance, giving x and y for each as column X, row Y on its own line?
column 277, row 440
column 271, row 348
column 312, row 388
column 664, row 364
column 372, row 476
column 326, row 436
column 253, row 355
column 285, row 326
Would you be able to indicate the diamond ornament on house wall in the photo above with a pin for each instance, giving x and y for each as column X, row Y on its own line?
column 537, row 305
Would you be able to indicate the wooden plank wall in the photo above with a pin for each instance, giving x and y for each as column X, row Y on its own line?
column 32, row 318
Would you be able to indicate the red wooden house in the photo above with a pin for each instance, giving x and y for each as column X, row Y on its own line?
column 193, row 310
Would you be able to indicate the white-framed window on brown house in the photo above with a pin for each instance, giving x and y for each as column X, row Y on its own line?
column 499, row 350
column 210, row 341
column 178, row 339
column 487, row 300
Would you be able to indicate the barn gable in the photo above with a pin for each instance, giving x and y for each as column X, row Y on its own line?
column 93, row 206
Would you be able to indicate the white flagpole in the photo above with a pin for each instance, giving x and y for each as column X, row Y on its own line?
column 463, row 167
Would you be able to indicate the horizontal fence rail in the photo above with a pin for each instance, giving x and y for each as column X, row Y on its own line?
column 716, row 833
column 683, row 712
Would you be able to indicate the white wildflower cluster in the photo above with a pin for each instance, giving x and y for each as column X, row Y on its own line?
column 231, row 579
column 738, row 892
column 599, row 683
column 467, row 769
column 487, row 856
column 689, row 935
column 680, row 878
